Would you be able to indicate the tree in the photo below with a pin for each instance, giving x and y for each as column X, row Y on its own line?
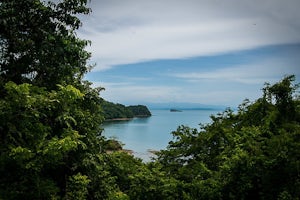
column 50, row 137
column 139, row 110
column 115, row 111
column 118, row 111
column 51, row 141
column 39, row 44
column 142, row 181
column 248, row 154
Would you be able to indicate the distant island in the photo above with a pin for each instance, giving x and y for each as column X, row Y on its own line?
column 184, row 106
column 175, row 110
column 118, row 112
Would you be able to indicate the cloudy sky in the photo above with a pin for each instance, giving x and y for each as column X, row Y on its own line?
column 215, row 52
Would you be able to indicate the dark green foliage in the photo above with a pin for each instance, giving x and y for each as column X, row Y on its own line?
column 115, row 111
column 142, row 181
column 38, row 44
column 47, row 137
column 49, row 118
column 50, row 137
column 139, row 111
column 248, row 154
column 112, row 145
column 119, row 111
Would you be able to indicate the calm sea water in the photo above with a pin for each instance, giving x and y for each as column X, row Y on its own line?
column 154, row 133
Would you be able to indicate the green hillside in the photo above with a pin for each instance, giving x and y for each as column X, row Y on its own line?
column 119, row 111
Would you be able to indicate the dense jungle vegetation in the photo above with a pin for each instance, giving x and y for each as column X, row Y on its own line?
column 113, row 111
column 50, row 135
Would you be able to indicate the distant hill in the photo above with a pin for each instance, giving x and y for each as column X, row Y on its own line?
column 139, row 110
column 184, row 106
column 119, row 111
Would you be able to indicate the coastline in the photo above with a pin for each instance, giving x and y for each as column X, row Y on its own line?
column 126, row 118
column 118, row 119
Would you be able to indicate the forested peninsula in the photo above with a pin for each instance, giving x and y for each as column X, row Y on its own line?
column 117, row 111
column 51, row 142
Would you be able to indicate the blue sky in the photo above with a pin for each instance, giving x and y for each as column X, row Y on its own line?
column 199, row 51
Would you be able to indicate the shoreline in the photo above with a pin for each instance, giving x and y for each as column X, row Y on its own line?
column 126, row 118
column 118, row 119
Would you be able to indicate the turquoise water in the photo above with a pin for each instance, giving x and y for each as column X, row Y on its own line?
column 153, row 133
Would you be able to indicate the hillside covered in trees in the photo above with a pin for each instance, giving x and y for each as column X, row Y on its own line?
column 50, row 136
column 114, row 111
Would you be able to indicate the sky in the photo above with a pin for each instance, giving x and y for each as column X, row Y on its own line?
column 213, row 52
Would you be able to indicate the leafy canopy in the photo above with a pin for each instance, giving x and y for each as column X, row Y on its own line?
column 39, row 44
column 50, row 137
column 252, row 153
column 49, row 117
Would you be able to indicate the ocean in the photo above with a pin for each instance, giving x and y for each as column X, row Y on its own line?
column 142, row 135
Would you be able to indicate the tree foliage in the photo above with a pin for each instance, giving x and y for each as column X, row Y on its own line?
column 39, row 44
column 119, row 111
column 50, row 137
column 139, row 111
column 115, row 111
column 49, row 118
column 248, row 154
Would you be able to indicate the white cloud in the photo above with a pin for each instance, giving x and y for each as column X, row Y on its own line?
column 255, row 73
column 132, row 31
column 223, row 86
column 215, row 94
column 127, row 92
